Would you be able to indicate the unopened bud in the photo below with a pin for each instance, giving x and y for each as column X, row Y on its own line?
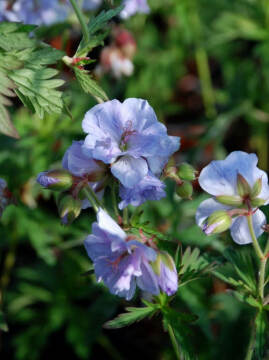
column 256, row 189
column 185, row 190
column 69, row 209
column 257, row 202
column 58, row 180
column 166, row 259
column 243, row 187
column 218, row 222
column 230, row 200
column 186, row 172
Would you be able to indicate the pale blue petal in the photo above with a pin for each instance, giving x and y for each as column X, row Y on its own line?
column 129, row 170
column 220, row 176
column 240, row 231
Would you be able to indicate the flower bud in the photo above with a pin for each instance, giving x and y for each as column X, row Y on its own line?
column 243, row 187
column 230, row 200
column 218, row 222
column 256, row 189
column 186, row 172
column 185, row 190
column 69, row 209
column 58, row 180
column 257, row 202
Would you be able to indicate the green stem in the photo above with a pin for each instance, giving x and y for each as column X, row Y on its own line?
column 254, row 239
column 125, row 217
column 174, row 341
column 252, row 340
column 202, row 62
column 89, row 194
column 206, row 83
column 81, row 19
column 114, row 198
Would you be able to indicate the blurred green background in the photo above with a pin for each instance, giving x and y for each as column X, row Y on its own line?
column 204, row 67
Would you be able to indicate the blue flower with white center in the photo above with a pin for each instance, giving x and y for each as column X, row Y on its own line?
column 131, row 7
column 239, row 187
column 129, row 137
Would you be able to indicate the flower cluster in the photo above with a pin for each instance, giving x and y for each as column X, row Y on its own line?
column 239, row 187
column 124, row 261
column 124, row 141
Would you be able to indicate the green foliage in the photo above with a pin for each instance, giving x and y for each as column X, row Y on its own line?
column 132, row 315
column 3, row 324
column 89, row 85
column 22, row 69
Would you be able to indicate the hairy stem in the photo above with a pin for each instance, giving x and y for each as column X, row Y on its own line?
column 81, row 19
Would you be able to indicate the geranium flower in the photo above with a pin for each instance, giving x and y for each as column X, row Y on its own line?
column 121, row 261
column 239, row 187
column 129, row 137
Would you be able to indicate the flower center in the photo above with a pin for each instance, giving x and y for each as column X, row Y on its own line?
column 127, row 133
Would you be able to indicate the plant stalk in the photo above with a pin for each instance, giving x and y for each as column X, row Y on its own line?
column 252, row 340
column 81, row 20
column 89, row 194
column 174, row 341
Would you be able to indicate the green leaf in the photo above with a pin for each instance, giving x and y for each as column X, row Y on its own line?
column 89, row 85
column 6, row 90
column 248, row 299
column 243, row 266
column 97, row 30
column 3, row 324
column 38, row 88
column 134, row 314
column 22, row 72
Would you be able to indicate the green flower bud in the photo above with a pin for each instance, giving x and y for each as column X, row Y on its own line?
column 257, row 202
column 218, row 222
column 166, row 259
column 156, row 265
column 58, row 180
column 185, row 190
column 256, row 189
column 243, row 187
column 230, row 200
column 69, row 209
column 186, row 172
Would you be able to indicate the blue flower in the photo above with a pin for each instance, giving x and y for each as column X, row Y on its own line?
column 129, row 137
column 239, row 187
column 123, row 262
column 131, row 7
column 149, row 188
column 120, row 262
